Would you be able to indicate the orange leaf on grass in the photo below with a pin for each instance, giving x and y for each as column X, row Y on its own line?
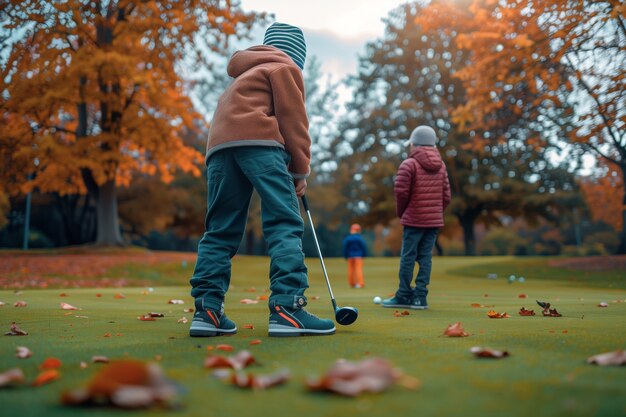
column 476, row 305
column 224, row 347
column 50, row 363
column 62, row 295
column 524, row 312
column 353, row 378
column 176, row 302
column 398, row 313
column 495, row 315
column 46, row 376
column 455, row 330
column 255, row 342
column 262, row 297
column 244, row 380
column 238, row 361
column 20, row 303
column 119, row 296
column 522, row 296
column 146, row 317
column 99, row 359
column 248, row 326
column 182, row 320
column 66, row 306
column 248, row 301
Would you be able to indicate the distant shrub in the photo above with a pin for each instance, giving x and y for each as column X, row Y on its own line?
column 502, row 241
column 607, row 239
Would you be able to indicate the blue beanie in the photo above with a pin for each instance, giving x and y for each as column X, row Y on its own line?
column 288, row 39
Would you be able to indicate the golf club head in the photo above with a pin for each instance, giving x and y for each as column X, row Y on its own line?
column 346, row 315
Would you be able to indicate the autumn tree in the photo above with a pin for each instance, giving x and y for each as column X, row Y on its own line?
column 93, row 93
column 556, row 65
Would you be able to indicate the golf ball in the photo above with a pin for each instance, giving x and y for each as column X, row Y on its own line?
column 377, row 300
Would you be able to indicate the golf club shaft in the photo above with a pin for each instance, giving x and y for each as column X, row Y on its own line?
column 305, row 203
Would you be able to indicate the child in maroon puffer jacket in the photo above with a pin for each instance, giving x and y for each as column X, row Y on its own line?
column 422, row 192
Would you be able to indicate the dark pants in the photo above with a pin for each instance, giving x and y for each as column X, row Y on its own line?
column 232, row 174
column 417, row 246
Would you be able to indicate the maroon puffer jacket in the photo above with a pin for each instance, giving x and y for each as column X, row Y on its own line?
column 422, row 189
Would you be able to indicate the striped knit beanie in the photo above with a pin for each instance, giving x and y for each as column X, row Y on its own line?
column 288, row 39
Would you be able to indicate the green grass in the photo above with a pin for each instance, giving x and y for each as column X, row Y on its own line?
column 546, row 374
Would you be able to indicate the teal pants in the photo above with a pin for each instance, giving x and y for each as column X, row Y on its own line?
column 232, row 175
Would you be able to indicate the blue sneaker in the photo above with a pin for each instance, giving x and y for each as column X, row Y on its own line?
column 419, row 303
column 286, row 321
column 396, row 302
column 208, row 323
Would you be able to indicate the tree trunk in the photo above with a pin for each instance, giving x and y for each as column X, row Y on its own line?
column 108, row 225
column 467, row 221
column 621, row 250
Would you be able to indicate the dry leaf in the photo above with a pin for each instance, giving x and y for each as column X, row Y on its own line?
column 248, row 301
column 11, row 377
column 603, row 304
column 455, row 330
column 126, row 384
column 398, row 313
column 146, row 317
column 616, row 358
column 522, row 296
column 99, row 359
column 524, row 312
column 250, row 289
column 482, row 352
column 22, row 352
column 188, row 310
column 495, row 315
column 237, row 362
column 50, row 363
column 2, row 303
column 176, row 302
column 119, row 296
column 152, row 314
column 476, row 305
column 262, row 297
column 62, row 295
column 66, row 306
column 182, row 320
column 353, row 378
column 255, row 342
column 248, row 326
column 226, row 348
column 20, row 304
column 15, row 331
column 243, row 380
column 46, row 376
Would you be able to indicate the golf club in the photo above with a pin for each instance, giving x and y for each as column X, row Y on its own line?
column 343, row 315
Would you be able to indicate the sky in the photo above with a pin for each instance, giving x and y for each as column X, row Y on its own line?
column 336, row 31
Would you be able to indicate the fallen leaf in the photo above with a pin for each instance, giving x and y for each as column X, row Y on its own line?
column 188, row 310
column 248, row 326
column 119, row 296
column 66, row 306
column 15, row 331
column 98, row 295
column 255, row 342
column 262, row 297
column 495, row 315
column 397, row 313
column 20, row 304
column 106, row 335
column 522, row 296
column 353, row 378
column 2, row 303
column 603, row 304
column 455, row 330
column 524, row 312
column 50, row 363
column 46, row 376
column 155, row 314
column 99, row 359
column 250, row 289
column 11, row 377
column 476, row 305
column 482, row 352
column 176, row 302
column 226, row 348
column 22, row 352
column 127, row 384
column 146, row 317
column 237, row 362
column 244, row 380
column 182, row 320
column 248, row 301
column 62, row 295
column 83, row 365
column 615, row 358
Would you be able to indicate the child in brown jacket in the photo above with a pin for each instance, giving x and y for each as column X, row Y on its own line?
column 258, row 141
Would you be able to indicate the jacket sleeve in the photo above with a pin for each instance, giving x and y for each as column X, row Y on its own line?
column 344, row 248
column 446, row 188
column 289, row 108
column 402, row 187
column 363, row 247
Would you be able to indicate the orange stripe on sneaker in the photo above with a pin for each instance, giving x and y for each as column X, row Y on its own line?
column 213, row 318
column 289, row 319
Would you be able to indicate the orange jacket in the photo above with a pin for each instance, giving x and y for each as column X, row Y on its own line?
column 263, row 106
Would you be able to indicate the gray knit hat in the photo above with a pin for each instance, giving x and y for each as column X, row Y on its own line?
column 422, row 136
column 288, row 39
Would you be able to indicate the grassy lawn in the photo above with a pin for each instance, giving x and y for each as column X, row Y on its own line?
column 546, row 374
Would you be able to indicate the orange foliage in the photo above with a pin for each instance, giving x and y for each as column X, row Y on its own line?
column 94, row 88
column 604, row 197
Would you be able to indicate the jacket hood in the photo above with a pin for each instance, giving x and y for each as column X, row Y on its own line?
column 242, row 61
column 428, row 157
